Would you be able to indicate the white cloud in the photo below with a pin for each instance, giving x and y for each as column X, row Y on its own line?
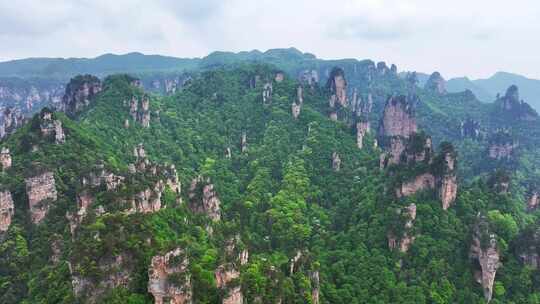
column 459, row 37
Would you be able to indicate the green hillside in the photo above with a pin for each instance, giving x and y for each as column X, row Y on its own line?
column 275, row 208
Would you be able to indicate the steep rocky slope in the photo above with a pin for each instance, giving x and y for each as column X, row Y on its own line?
column 257, row 185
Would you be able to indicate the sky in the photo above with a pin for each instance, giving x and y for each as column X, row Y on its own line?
column 473, row 38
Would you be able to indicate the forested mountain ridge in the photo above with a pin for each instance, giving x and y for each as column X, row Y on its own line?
column 250, row 186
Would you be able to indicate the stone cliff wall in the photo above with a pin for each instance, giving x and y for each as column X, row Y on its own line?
column 488, row 258
column 160, row 278
column 398, row 117
column 41, row 192
column 7, row 210
column 79, row 93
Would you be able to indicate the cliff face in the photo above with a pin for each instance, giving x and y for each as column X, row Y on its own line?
column 315, row 287
column 117, row 273
column 139, row 114
column 420, row 183
column 149, row 200
column 7, row 210
column 488, row 258
column 362, row 128
column 533, row 201
column 336, row 162
column 243, row 142
column 267, row 93
column 393, row 153
column 26, row 95
column 501, row 150
column 167, row 84
column 169, row 280
column 295, row 109
column 225, row 275
column 337, row 85
column 79, row 93
column 448, row 191
column 10, row 120
column 436, row 84
column 447, row 183
column 514, row 108
column 5, row 159
column 440, row 175
column 398, row 117
column 203, row 198
column 41, row 192
column 51, row 128
column 309, row 77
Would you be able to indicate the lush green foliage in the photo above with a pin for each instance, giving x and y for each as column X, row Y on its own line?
column 281, row 197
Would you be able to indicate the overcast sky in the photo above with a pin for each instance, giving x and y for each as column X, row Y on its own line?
column 459, row 37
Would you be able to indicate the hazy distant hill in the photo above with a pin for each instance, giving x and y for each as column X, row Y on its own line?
column 290, row 59
column 529, row 88
column 463, row 83
column 102, row 65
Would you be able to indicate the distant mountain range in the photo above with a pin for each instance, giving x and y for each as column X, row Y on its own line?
column 486, row 90
column 62, row 69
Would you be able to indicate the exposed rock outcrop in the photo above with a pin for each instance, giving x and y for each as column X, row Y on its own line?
column 484, row 250
column 5, row 159
column 147, row 201
column 116, row 272
column 393, row 154
column 79, row 93
column 315, row 287
column 398, row 117
column 447, row 183
column 436, row 84
column 336, row 162
column 533, row 200
column 102, row 176
column 169, row 280
column 142, row 114
column 502, row 146
column 41, row 192
column 295, row 109
column 225, row 275
column 440, row 173
column 84, row 201
column 279, row 77
column 50, row 127
column 419, row 183
column 267, row 93
column 168, row 84
column 27, row 94
column 337, row 85
column 243, row 143
column 7, row 210
column 309, row 77
column 299, row 95
column 513, row 107
column 203, row 198
column 10, row 120
column 362, row 128
column 448, row 191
